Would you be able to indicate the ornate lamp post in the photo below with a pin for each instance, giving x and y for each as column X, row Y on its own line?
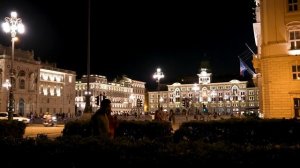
column 158, row 75
column 88, row 108
column 12, row 25
column 7, row 85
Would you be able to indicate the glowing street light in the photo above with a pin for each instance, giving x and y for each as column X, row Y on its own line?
column 6, row 84
column 158, row 75
column 12, row 25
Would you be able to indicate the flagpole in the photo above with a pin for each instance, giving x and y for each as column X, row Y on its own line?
column 250, row 49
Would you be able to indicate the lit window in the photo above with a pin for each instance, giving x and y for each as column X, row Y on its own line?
column 292, row 5
column 295, row 39
column 296, row 72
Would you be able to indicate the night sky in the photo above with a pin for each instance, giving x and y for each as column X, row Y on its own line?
column 134, row 38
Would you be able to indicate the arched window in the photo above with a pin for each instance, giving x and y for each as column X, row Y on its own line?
column 21, row 107
column 234, row 93
column 234, row 90
column 21, row 73
column 22, row 84
column 177, row 92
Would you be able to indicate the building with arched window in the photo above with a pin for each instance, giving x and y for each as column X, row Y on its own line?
column 37, row 87
column 224, row 97
column 124, row 93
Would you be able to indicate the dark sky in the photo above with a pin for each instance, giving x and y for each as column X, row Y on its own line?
column 134, row 38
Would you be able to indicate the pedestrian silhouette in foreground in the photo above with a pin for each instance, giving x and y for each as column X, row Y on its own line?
column 100, row 121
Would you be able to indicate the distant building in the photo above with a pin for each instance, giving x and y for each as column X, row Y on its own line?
column 277, row 63
column 224, row 97
column 125, row 93
column 38, row 87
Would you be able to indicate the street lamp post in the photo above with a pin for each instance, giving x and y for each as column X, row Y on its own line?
column 158, row 75
column 7, row 85
column 12, row 25
column 88, row 108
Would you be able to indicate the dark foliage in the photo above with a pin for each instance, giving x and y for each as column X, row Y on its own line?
column 241, row 131
column 12, row 129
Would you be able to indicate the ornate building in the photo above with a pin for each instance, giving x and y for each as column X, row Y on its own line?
column 124, row 93
column 37, row 87
column 225, row 97
column 277, row 63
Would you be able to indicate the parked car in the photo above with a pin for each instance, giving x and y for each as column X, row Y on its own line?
column 4, row 116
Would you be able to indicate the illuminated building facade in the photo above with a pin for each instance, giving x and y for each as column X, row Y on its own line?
column 277, row 62
column 38, row 87
column 124, row 94
column 225, row 97
column 56, row 91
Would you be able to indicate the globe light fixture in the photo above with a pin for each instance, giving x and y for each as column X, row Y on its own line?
column 12, row 25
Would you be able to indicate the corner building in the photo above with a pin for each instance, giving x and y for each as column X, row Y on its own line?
column 277, row 62
column 37, row 87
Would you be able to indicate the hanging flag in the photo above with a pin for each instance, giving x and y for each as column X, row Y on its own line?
column 243, row 67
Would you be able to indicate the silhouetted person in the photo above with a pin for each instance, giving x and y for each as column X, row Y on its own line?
column 100, row 120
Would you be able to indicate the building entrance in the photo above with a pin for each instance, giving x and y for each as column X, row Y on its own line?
column 296, row 107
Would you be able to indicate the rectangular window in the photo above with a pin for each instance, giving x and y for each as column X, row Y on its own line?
column 295, row 39
column 292, row 5
column 296, row 72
